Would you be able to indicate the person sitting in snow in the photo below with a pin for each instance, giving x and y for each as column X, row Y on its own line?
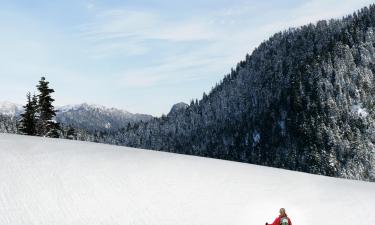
column 283, row 219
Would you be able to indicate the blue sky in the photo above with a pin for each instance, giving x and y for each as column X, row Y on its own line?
column 141, row 56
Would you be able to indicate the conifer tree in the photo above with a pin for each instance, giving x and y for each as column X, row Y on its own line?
column 28, row 118
column 47, row 126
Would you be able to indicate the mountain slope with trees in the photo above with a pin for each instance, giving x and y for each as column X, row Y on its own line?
column 303, row 100
column 95, row 118
column 84, row 120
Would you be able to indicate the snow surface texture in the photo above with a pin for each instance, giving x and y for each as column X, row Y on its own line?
column 57, row 182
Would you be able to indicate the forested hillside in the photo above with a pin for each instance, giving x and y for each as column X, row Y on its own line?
column 303, row 100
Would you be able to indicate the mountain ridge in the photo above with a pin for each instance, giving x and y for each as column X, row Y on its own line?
column 97, row 118
column 89, row 117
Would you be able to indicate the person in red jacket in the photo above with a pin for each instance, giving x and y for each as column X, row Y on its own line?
column 283, row 219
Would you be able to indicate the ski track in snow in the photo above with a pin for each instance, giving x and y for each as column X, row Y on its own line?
column 61, row 182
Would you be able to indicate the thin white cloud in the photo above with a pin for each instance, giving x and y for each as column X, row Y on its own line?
column 113, row 49
column 126, row 31
column 125, row 23
column 231, row 42
column 177, row 69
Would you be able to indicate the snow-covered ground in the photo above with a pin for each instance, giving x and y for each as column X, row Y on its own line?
column 57, row 182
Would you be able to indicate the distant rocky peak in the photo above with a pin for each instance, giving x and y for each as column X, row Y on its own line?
column 178, row 107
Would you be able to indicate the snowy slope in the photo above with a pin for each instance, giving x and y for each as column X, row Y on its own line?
column 48, row 181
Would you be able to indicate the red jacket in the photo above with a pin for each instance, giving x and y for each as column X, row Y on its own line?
column 278, row 220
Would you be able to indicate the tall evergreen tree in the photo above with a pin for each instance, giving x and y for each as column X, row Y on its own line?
column 47, row 126
column 28, row 118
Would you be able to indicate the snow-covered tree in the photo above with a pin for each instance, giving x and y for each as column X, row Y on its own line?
column 28, row 119
column 47, row 126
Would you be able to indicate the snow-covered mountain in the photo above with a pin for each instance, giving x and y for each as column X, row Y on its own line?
column 52, row 181
column 96, row 117
column 85, row 116
column 10, row 109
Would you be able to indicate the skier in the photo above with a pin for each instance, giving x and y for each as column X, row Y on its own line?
column 283, row 219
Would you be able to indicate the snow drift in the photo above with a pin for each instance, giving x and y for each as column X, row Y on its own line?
column 60, row 182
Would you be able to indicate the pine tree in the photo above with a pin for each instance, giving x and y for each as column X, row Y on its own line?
column 47, row 126
column 28, row 118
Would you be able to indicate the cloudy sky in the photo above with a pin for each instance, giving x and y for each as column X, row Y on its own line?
column 144, row 55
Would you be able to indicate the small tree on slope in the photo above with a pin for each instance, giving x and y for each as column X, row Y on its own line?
column 28, row 118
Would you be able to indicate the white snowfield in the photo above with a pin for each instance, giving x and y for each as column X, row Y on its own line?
column 60, row 182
